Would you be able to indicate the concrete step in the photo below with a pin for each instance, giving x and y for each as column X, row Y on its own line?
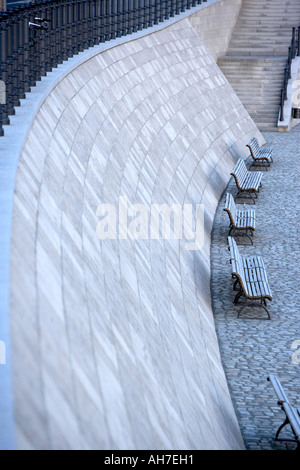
column 264, row 27
column 258, row 51
column 257, row 56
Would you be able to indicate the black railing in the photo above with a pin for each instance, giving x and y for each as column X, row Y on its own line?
column 294, row 50
column 37, row 37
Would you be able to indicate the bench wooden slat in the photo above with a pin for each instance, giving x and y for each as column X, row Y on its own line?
column 281, row 395
column 251, row 274
column 292, row 414
column 293, row 417
column 252, row 181
column 240, row 220
column 260, row 155
column 246, row 181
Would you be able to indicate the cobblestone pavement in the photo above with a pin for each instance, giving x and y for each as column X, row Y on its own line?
column 251, row 348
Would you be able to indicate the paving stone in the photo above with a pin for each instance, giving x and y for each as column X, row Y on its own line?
column 251, row 349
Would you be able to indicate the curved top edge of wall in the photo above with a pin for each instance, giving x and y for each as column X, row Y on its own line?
column 11, row 145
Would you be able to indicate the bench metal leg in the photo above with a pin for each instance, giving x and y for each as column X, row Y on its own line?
column 245, row 235
column 280, row 428
column 241, row 234
column 259, row 164
column 238, row 296
column 246, row 194
column 252, row 303
column 283, row 439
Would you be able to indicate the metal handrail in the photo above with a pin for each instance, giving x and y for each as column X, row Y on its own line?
column 294, row 50
column 37, row 37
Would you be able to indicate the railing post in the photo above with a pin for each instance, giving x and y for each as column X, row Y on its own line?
column 294, row 44
column 21, row 54
column 10, row 65
column 30, row 46
column 282, row 99
column 290, row 57
column 14, row 64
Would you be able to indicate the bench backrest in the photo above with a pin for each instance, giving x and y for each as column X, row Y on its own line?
column 253, row 147
column 239, row 172
column 230, row 208
column 291, row 412
column 237, row 263
column 281, row 395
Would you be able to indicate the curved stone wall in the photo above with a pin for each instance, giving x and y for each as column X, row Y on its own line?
column 113, row 340
column 215, row 25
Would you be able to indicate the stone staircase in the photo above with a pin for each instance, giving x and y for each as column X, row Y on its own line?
column 257, row 55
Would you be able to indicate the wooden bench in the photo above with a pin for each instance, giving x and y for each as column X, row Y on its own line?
column 248, row 182
column 292, row 414
column 242, row 222
column 260, row 156
column 251, row 279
